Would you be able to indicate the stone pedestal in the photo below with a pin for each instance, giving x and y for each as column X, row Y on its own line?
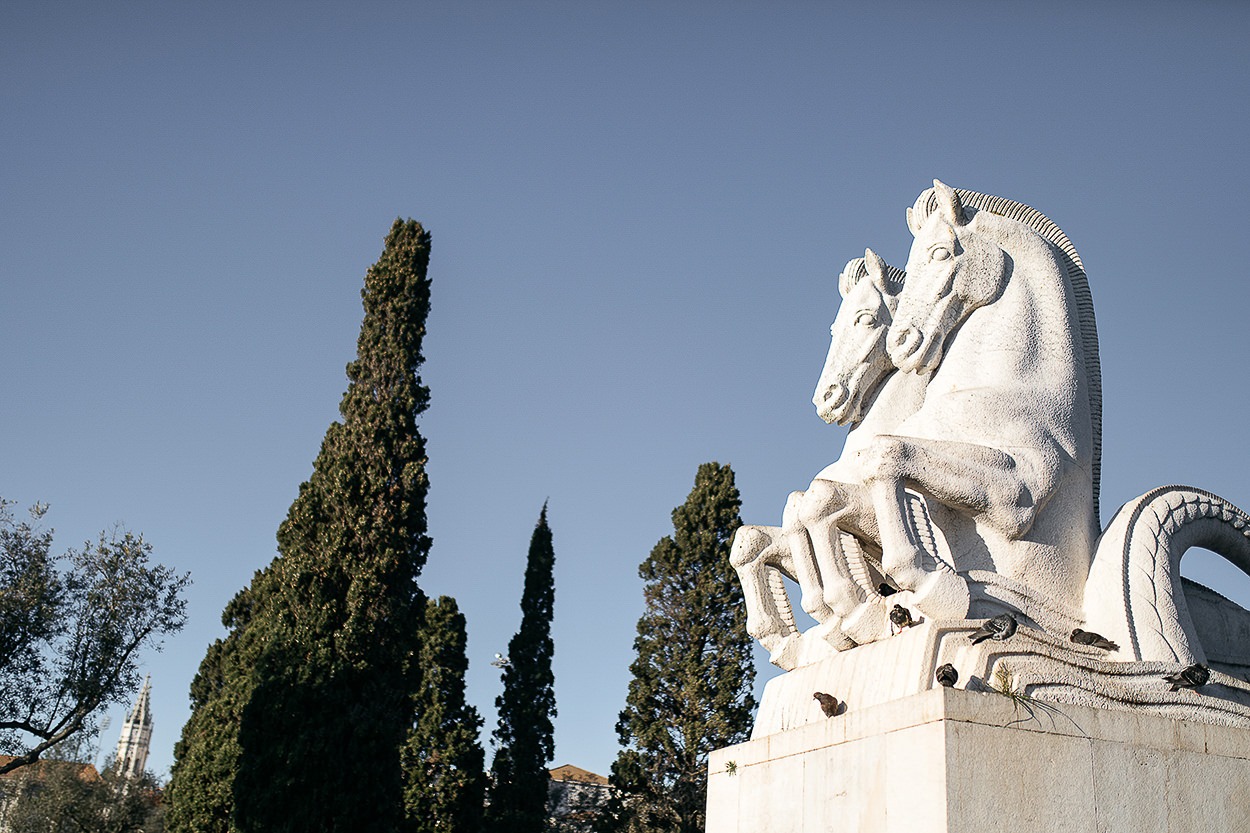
column 956, row 761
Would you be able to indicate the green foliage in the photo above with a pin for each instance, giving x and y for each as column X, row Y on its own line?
column 65, row 797
column 524, row 742
column 60, row 794
column 693, row 675
column 301, row 712
column 200, row 796
column 444, row 785
column 71, row 629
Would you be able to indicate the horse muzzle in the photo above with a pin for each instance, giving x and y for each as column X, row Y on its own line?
column 904, row 347
column 831, row 401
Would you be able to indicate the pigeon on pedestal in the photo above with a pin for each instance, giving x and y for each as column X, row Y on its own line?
column 997, row 629
column 1095, row 640
column 1190, row 677
column 828, row 704
column 900, row 617
column 946, row 675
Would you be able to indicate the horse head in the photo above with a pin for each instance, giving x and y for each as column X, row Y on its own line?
column 857, row 362
column 951, row 271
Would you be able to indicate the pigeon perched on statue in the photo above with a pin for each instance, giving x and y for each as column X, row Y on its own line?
column 999, row 628
column 946, row 675
column 1094, row 640
column 828, row 704
column 900, row 617
column 1192, row 676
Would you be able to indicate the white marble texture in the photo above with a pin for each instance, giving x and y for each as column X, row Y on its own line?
column 954, row 761
column 970, row 481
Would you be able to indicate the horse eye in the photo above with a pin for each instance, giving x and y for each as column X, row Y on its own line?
column 866, row 319
column 940, row 253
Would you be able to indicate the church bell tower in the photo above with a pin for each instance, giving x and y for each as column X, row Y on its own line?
column 132, row 746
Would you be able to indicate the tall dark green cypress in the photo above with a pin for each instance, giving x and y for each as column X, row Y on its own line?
column 524, row 740
column 316, row 683
column 693, row 675
column 444, row 785
column 200, row 794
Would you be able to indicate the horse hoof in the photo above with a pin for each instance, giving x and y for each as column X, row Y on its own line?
column 868, row 623
column 832, row 633
column 785, row 653
column 942, row 595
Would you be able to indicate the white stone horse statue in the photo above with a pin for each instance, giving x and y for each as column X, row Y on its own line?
column 1000, row 442
column 1005, row 446
column 857, row 387
column 970, row 482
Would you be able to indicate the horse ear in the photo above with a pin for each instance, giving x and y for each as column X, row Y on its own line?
column 851, row 273
column 911, row 222
column 949, row 204
column 878, row 272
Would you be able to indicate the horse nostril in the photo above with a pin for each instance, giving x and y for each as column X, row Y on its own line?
column 834, row 395
column 901, row 337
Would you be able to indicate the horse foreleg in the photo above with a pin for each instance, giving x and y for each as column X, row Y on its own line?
column 902, row 556
column 828, row 514
column 939, row 592
column 807, row 570
column 1004, row 491
column 812, row 520
column 758, row 555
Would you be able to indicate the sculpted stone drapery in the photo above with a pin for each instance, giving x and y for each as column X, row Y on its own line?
column 969, row 481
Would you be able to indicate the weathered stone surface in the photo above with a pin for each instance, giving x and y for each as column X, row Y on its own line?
column 954, row 761
column 1032, row 662
column 969, row 481
column 968, row 488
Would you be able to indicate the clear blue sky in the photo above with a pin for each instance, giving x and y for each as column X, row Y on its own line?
column 638, row 213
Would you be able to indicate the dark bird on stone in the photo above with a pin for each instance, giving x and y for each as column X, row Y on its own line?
column 901, row 617
column 1094, row 640
column 997, row 629
column 946, row 675
column 1190, row 677
column 828, row 704
column 886, row 590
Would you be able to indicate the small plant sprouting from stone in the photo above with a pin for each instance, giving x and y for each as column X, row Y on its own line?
column 731, row 768
column 1005, row 684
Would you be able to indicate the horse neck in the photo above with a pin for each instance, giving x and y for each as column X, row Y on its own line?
column 1033, row 325
column 900, row 396
column 1079, row 285
column 896, row 399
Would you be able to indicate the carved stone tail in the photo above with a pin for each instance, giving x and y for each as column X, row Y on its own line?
column 1134, row 594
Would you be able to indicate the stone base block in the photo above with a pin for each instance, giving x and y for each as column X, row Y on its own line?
column 955, row 761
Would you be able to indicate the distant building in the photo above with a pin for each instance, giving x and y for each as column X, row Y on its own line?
column 574, row 798
column 132, row 759
column 136, row 737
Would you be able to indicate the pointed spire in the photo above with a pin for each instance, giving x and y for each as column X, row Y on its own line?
column 132, row 746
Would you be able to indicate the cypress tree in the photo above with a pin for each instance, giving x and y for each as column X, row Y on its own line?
column 444, row 785
column 200, row 794
column 524, row 742
column 693, row 675
column 314, row 686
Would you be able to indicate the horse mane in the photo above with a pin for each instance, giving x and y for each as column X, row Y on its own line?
column 927, row 203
